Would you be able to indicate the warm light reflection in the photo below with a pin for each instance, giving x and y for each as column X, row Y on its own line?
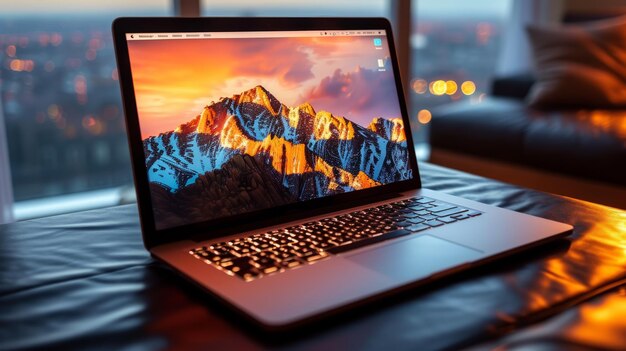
column 484, row 30
column 451, row 87
column 590, row 261
column 612, row 122
column 93, row 125
column 11, row 50
column 56, row 39
column 601, row 324
column 438, row 87
column 90, row 55
column 22, row 65
column 80, row 87
column 424, row 116
column 44, row 39
column 468, row 87
column 54, row 112
column 420, row 86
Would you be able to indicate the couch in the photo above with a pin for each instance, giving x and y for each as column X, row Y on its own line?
column 575, row 152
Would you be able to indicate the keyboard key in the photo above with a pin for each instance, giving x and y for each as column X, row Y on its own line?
column 461, row 216
column 245, row 271
column 434, row 223
column 473, row 213
column 427, row 217
column 337, row 241
column 291, row 262
column 207, row 255
column 241, row 266
column 440, row 208
column 446, row 219
column 304, row 255
column 425, row 200
column 316, row 257
column 262, row 262
column 358, row 236
column 269, row 270
column 418, row 227
column 226, row 263
column 280, row 254
column 451, row 211
column 235, row 253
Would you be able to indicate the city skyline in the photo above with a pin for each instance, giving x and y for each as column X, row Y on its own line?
column 438, row 9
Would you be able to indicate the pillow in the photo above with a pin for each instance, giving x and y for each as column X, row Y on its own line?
column 581, row 66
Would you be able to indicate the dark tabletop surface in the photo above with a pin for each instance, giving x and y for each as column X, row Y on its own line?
column 84, row 281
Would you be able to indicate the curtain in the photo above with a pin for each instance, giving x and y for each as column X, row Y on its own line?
column 6, row 189
column 516, row 55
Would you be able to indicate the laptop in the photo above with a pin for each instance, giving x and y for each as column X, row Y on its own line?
column 274, row 166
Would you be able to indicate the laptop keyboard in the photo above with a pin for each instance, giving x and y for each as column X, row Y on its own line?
column 278, row 250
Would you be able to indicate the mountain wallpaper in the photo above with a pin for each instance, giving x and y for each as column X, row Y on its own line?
column 250, row 152
column 232, row 125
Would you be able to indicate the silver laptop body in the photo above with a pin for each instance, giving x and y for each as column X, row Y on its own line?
column 274, row 166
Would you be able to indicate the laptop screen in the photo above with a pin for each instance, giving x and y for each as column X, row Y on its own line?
column 235, row 122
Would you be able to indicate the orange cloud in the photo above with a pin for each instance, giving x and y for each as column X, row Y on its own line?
column 359, row 95
column 174, row 79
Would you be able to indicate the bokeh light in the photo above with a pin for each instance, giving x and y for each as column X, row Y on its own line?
column 451, row 87
column 11, row 50
column 419, row 86
column 22, row 65
column 424, row 116
column 438, row 87
column 468, row 87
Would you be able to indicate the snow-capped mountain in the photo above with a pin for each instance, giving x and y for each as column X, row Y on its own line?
column 391, row 129
column 309, row 153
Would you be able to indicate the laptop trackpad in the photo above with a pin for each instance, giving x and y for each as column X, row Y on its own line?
column 415, row 258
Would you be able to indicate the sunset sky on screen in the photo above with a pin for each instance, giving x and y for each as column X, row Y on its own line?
column 175, row 79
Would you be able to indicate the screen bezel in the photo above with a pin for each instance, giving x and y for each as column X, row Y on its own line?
column 227, row 225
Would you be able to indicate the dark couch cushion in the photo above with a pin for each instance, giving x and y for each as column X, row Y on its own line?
column 516, row 86
column 479, row 129
column 587, row 144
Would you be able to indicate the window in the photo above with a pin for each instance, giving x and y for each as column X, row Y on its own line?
column 281, row 8
column 60, row 98
column 455, row 46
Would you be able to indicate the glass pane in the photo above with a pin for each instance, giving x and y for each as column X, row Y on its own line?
column 454, row 51
column 281, row 8
column 60, row 94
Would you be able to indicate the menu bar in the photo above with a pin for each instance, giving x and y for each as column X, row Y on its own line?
column 266, row 34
